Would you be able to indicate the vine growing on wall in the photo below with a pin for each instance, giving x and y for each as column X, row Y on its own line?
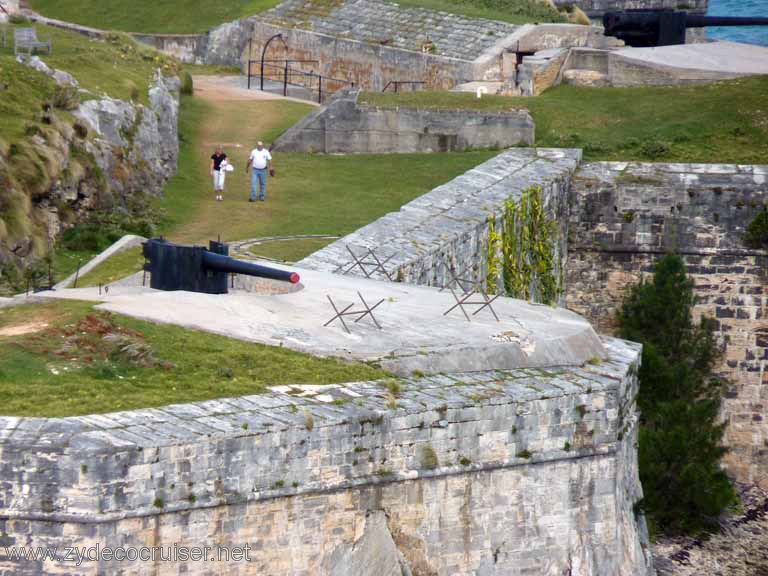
column 494, row 260
column 527, row 253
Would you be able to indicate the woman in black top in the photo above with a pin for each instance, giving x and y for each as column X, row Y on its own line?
column 217, row 172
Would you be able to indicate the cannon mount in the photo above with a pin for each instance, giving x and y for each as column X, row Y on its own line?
column 199, row 269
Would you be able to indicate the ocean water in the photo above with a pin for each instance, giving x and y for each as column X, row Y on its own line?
column 746, row 34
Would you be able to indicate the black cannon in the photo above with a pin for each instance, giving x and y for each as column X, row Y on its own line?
column 664, row 27
column 200, row 269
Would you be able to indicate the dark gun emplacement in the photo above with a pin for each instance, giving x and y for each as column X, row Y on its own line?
column 664, row 27
column 200, row 269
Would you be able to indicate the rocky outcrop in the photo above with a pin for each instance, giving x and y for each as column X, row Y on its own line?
column 11, row 7
column 60, row 77
column 146, row 136
column 108, row 158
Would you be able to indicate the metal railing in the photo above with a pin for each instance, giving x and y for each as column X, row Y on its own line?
column 397, row 83
column 311, row 81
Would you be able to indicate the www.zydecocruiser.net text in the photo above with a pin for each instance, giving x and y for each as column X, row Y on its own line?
column 79, row 555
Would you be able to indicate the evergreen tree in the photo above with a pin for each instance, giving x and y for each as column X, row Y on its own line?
column 680, row 436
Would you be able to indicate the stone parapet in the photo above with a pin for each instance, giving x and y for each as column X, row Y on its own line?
column 482, row 471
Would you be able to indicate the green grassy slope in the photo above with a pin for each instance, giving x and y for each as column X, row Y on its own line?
column 159, row 16
column 63, row 365
column 197, row 16
column 723, row 122
column 118, row 67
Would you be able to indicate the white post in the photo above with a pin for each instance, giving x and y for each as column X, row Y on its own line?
column 481, row 90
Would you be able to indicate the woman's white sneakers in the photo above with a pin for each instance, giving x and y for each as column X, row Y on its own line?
column 219, row 197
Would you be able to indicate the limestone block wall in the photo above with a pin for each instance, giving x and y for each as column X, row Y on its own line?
column 346, row 127
column 513, row 472
column 541, row 71
column 447, row 228
column 369, row 65
column 625, row 216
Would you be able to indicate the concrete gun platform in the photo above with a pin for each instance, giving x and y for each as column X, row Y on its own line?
column 716, row 59
column 415, row 334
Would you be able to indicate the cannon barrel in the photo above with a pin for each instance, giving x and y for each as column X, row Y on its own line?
column 221, row 263
column 665, row 27
column 199, row 269
column 701, row 21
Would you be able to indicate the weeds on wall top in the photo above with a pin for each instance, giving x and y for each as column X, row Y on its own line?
column 523, row 250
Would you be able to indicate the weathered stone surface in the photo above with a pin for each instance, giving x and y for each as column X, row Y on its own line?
column 533, row 471
column 374, row 554
column 346, row 127
column 148, row 136
column 585, row 78
column 396, row 26
column 625, row 216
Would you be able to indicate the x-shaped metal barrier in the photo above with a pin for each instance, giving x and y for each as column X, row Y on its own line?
column 464, row 300
column 347, row 311
column 468, row 288
column 369, row 263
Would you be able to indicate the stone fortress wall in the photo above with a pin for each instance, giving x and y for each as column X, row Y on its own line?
column 615, row 220
column 624, row 216
column 495, row 472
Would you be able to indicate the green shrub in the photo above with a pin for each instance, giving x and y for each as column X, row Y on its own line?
column 655, row 149
column 679, row 446
column 65, row 98
column 757, row 232
column 187, row 86
column 89, row 237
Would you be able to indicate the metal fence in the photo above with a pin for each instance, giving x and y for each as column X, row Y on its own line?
column 396, row 85
column 318, row 86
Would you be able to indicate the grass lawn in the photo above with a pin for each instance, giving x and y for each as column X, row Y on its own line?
column 311, row 194
column 113, row 269
column 289, row 250
column 512, row 11
column 63, row 359
column 725, row 122
column 177, row 17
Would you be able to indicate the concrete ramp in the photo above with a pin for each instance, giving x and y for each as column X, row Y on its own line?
column 723, row 59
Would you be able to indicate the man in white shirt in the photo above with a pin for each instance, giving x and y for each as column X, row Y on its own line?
column 261, row 161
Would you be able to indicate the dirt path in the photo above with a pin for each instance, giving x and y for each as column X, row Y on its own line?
column 237, row 118
column 234, row 89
